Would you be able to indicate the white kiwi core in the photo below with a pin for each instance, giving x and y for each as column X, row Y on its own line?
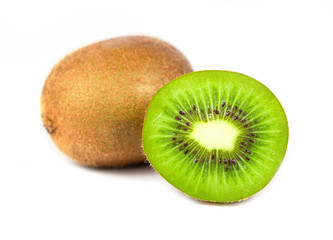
column 216, row 134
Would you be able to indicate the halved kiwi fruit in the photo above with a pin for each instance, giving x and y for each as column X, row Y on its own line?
column 216, row 135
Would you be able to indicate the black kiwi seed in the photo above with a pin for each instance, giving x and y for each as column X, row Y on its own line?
column 177, row 118
column 181, row 113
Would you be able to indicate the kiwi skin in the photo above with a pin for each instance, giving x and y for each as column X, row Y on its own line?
column 94, row 100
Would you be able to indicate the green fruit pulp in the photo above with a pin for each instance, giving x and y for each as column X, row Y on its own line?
column 215, row 135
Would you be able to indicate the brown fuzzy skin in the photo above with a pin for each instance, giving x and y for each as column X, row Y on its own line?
column 94, row 100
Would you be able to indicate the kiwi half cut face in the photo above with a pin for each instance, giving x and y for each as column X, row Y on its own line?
column 216, row 135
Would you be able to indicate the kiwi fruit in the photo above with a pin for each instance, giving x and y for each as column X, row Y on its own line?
column 94, row 100
column 217, row 136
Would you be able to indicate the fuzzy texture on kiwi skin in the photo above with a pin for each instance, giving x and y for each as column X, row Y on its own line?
column 94, row 100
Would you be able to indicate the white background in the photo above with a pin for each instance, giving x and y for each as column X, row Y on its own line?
column 287, row 45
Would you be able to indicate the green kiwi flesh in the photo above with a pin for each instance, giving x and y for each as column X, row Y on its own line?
column 216, row 135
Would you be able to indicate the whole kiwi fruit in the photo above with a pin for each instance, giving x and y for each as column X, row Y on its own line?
column 94, row 100
column 217, row 136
